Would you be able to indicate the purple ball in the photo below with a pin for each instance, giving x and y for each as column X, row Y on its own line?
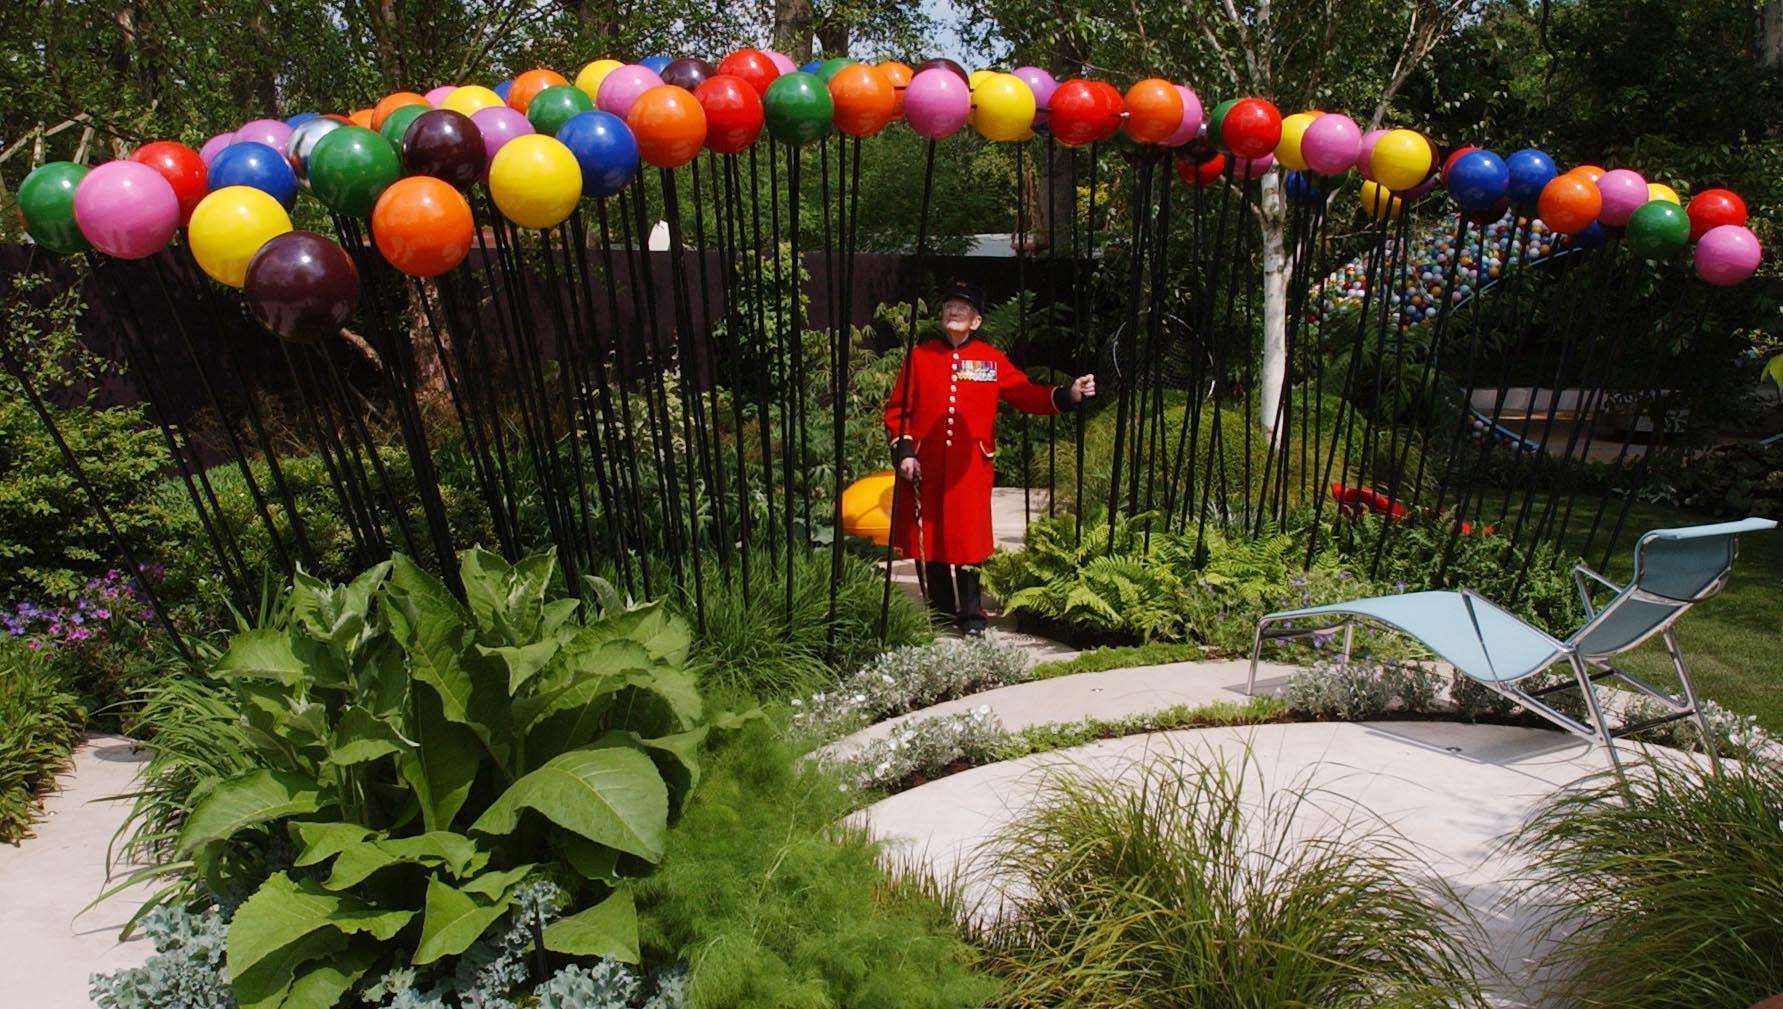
column 1364, row 151
column 499, row 124
column 936, row 103
column 781, row 61
column 271, row 132
column 1040, row 82
column 1623, row 193
column 214, row 146
column 1192, row 120
column 1725, row 255
column 437, row 96
column 126, row 209
column 1252, row 168
column 1331, row 144
column 623, row 86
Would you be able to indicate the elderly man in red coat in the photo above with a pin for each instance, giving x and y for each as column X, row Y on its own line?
column 942, row 422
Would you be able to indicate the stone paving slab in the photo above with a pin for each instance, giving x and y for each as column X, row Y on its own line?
column 47, row 946
column 1451, row 790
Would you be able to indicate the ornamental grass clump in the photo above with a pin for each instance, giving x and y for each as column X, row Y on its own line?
column 1177, row 886
column 1664, row 893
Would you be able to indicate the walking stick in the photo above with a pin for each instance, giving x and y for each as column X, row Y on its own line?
column 922, row 579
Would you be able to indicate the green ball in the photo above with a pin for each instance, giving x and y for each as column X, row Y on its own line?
column 1218, row 120
column 829, row 68
column 554, row 106
column 350, row 168
column 46, row 201
column 798, row 109
column 397, row 123
column 1659, row 229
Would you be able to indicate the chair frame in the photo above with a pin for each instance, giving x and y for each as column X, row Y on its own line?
column 1587, row 668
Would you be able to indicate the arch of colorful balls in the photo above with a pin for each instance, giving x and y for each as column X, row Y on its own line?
column 542, row 142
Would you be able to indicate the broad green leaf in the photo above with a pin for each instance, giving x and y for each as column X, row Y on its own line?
column 594, row 861
column 499, row 883
column 472, row 690
column 557, row 612
column 268, row 983
column 1773, row 370
column 485, row 578
column 361, row 737
column 455, row 853
column 283, row 912
column 323, row 841
column 245, row 801
column 442, row 765
column 321, row 985
column 453, row 920
column 679, row 759
column 521, row 661
column 611, row 796
column 263, row 653
column 677, row 689
column 609, row 928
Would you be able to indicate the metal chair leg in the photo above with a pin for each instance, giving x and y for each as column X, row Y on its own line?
column 1250, row 685
column 1696, row 708
column 1587, row 688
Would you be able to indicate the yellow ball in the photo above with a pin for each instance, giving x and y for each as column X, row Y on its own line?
column 229, row 226
column 1293, row 128
column 1003, row 108
column 1401, row 160
column 589, row 80
column 471, row 99
column 867, row 506
column 535, row 181
column 1379, row 202
column 1661, row 191
column 977, row 77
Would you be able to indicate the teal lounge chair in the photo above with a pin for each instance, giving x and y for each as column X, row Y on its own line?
column 1673, row 570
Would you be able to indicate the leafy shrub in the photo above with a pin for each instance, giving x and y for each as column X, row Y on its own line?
column 1737, row 480
column 750, row 643
column 905, row 679
column 1413, row 554
column 437, row 756
column 1175, row 887
column 41, row 722
column 927, row 748
column 772, row 904
column 103, row 641
column 1665, row 892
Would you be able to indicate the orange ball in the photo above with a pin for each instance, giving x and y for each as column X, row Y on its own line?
column 1154, row 110
column 899, row 74
column 669, row 124
column 1569, row 203
column 361, row 117
column 390, row 103
column 865, row 99
column 1590, row 173
column 422, row 226
column 527, row 86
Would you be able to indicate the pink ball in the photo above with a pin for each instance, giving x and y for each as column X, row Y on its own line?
column 214, row 146
column 781, row 61
column 1040, row 82
column 499, row 124
column 1331, row 144
column 1252, row 168
column 1623, row 193
column 1191, row 119
column 270, row 132
column 936, row 103
column 1364, row 151
column 436, row 97
column 126, row 209
column 1725, row 255
column 622, row 87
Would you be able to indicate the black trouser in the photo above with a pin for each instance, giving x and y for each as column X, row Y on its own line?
column 954, row 591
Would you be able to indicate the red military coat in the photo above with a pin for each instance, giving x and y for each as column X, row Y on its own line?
column 950, row 417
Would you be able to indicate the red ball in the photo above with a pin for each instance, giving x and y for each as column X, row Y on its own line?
column 1202, row 174
column 1708, row 209
column 733, row 112
column 1083, row 112
column 1454, row 155
column 753, row 66
column 181, row 167
column 1252, row 128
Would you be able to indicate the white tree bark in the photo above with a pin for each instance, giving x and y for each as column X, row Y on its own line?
column 1272, row 221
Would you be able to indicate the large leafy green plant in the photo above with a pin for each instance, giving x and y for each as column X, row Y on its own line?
column 425, row 756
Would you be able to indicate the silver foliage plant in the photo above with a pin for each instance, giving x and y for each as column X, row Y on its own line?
column 186, row 971
column 926, row 747
column 906, row 679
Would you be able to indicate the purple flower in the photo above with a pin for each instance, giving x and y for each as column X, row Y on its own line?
column 102, row 613
column 79, row 634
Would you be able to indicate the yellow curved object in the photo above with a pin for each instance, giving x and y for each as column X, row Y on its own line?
column 867, row 506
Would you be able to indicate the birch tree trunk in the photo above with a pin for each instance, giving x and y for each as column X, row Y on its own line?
column 1272, row 222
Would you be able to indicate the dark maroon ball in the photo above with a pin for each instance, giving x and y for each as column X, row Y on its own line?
column 944, row 63
column 687, row 72
column 445, row 145
column 302, row 286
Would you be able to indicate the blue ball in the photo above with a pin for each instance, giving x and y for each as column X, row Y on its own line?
column 1530, row 171
column 811, row 67
column 1594, row 235
column 1477, row 180
column 501, row 90
column 604, row 147
column 655, row 63
column 257, row 165
column 301, row 118
column 1303, row 187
